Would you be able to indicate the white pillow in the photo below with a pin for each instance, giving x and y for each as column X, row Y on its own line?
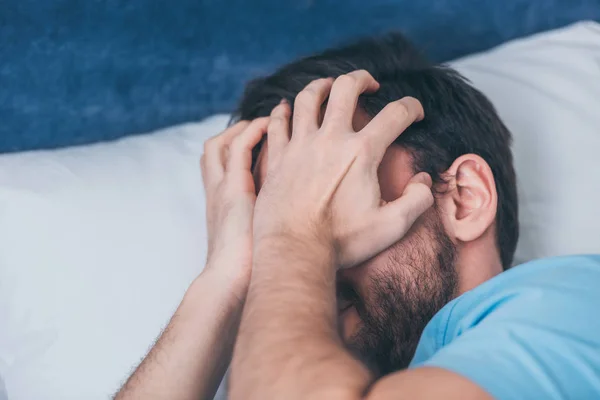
column 97, row 246
column 99, row 243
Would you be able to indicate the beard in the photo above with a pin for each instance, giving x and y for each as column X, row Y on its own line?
column 418, row 280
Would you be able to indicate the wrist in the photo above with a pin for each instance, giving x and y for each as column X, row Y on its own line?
column 229, row 284
column 290, row 250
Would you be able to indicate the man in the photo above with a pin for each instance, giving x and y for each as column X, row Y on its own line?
column 395, row 294
column 343, row 210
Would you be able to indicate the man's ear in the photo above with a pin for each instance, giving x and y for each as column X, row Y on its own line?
column 469, row 201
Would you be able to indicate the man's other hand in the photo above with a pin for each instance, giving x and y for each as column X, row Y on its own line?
column 230, row 198
column 322, row 187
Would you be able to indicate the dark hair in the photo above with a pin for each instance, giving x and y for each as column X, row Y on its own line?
column 458, row 118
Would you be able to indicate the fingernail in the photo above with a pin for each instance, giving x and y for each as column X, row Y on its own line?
column 283, row 101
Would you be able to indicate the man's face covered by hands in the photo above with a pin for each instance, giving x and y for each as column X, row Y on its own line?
column 385, row 302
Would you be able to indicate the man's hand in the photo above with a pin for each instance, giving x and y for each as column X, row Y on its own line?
column 192, row 355
column 320, row 208
column 230, row 198
column 322, row 185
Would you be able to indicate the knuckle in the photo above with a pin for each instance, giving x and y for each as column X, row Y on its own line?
column 209, row 145
column 319, row 84
column 366, row 73
column 274, row 123
column 313, row 93
column 277, row 112
column 258, row 122
column 274, row 127
column 237, row 143
column 277, row 126
column 399, row 110
column 241, row 123
column 361, row 74
column 286, row 111
column 306, row 97
column 255, row 125
column 346, row 81
column 278, row 117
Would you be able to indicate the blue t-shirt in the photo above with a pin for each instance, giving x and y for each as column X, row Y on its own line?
column 532, row 332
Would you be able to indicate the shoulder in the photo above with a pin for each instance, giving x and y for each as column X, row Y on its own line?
column 547, row 289
column 554, row 289
column 533, row 322
column 558, row 284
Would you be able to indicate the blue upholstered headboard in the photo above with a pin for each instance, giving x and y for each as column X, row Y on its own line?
column 80, row 71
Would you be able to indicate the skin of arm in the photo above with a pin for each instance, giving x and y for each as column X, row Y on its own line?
column 297, row 349
column 191, row 356
column 319, row 210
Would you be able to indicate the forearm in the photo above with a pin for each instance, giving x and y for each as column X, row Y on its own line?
column 192, row 355
column 288, row 343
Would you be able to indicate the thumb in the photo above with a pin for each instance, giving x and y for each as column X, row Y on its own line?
column 398, row 216
column 390, row 222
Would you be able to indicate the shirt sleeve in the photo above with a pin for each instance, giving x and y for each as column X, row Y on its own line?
column 534, row 339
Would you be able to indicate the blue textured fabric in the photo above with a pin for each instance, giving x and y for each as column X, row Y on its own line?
column 74, row 72
column 530, row 333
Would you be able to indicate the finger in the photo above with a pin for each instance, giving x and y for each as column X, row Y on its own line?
column 240, row 150
column 307, row 106
column 344, row 97
column 203, row 170
column 215, row 150
column 389, row 223
column 391, row 122
column 404, row 211
column 278, row 131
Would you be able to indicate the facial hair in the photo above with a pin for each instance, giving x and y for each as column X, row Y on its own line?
column 418, row 281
